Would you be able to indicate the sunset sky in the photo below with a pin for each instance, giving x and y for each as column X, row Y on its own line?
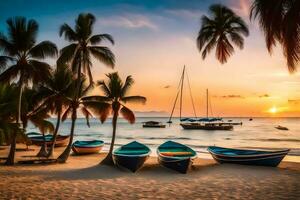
column 155, row 39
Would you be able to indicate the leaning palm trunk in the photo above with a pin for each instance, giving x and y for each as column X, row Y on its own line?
column 51, row 150
column 65, row 155
column 11, row 156
column 108, row 160
column 43, row 150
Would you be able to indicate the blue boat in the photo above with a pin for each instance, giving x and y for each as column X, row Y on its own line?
column 87, row 147
column 247, row 157
column 131, row 156
column 175, row 156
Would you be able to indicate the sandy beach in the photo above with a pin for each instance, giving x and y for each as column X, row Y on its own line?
column 82, row 178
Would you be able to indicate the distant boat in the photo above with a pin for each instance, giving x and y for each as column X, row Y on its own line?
column 209, row 123
column 153, row 124
column 87, row 147
column 250, row 119
column 38, row 139
column 247, row 157
column 131, row 156
column 281, row 128
column 176, row 156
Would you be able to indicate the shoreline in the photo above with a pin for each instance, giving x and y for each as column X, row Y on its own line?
column 83, row 178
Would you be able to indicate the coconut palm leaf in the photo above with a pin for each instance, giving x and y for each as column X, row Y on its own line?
column 127, row 114
column 133, row 99
column 279, row 20
column 103, row 54
column 43, row 49
column 95, row 39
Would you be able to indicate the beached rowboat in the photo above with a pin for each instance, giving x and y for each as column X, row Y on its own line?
column 38, row 139
column 87, row 147
column 247, row 157
column 131, row 156
column 175, row 156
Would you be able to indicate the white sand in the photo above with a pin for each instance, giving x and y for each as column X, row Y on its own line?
column 82, row 178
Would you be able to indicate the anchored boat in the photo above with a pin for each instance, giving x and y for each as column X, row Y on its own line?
column 247, row 157
column 176, row 156
column 87, row 147
column 153, row 124
column 207, row 123
column 131, row 156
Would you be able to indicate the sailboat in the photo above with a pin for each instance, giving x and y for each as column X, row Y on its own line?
column 207, row 123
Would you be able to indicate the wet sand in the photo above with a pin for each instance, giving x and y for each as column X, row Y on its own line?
column 83, row 178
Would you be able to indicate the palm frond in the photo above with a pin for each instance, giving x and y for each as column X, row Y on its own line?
column 103, row 54
column 134, row 99
column 5, row 60
column 127, row 85
column 69, row 34
column 96, row 39
column 86, row 114
column 104, row 88
column 43, row 49
column 127, row 114
column 100, row 109
column 9, row 74
column 66, row 54
column 67, row 113
column 97, row 98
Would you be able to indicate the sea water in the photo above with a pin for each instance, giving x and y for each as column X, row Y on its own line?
column 260, row 133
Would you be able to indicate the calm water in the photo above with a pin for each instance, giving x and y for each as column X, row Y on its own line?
column 259, row 133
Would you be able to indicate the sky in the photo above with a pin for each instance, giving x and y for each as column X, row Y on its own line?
column 155, row 39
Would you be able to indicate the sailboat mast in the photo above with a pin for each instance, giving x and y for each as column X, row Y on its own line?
column 181, row 90
column 207, row 103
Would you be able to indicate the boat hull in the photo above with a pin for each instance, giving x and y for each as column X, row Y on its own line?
column 154, row 126
column 179, row 165
column 86, row 150
column 132, row 163
column 60, row 141
column 271, row 159
column 203, row 127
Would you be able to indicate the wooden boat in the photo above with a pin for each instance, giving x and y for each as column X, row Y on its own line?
column 131, row 156
column 87, row 147
column 176, row 156
column 247, row 157
column 153, row 124
column 38, row 139
column 281, row 128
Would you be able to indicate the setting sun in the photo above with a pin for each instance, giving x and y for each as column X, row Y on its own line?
column 273, row 110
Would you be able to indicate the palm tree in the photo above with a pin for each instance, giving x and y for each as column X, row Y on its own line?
column 84, row 46
column 83, row 103
column 54, row 92
column 222, row 28
column 21, row 60
column 280, row 22
column 115, row 96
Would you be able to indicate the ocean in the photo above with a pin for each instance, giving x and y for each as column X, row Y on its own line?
column 259, row 134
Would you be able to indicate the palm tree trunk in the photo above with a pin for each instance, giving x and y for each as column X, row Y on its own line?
column 108, row 160
column 65, row 155
column 11, row 156
column 43, row 150
column 51, row 150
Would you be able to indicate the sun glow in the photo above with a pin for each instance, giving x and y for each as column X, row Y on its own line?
column 273, row 110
